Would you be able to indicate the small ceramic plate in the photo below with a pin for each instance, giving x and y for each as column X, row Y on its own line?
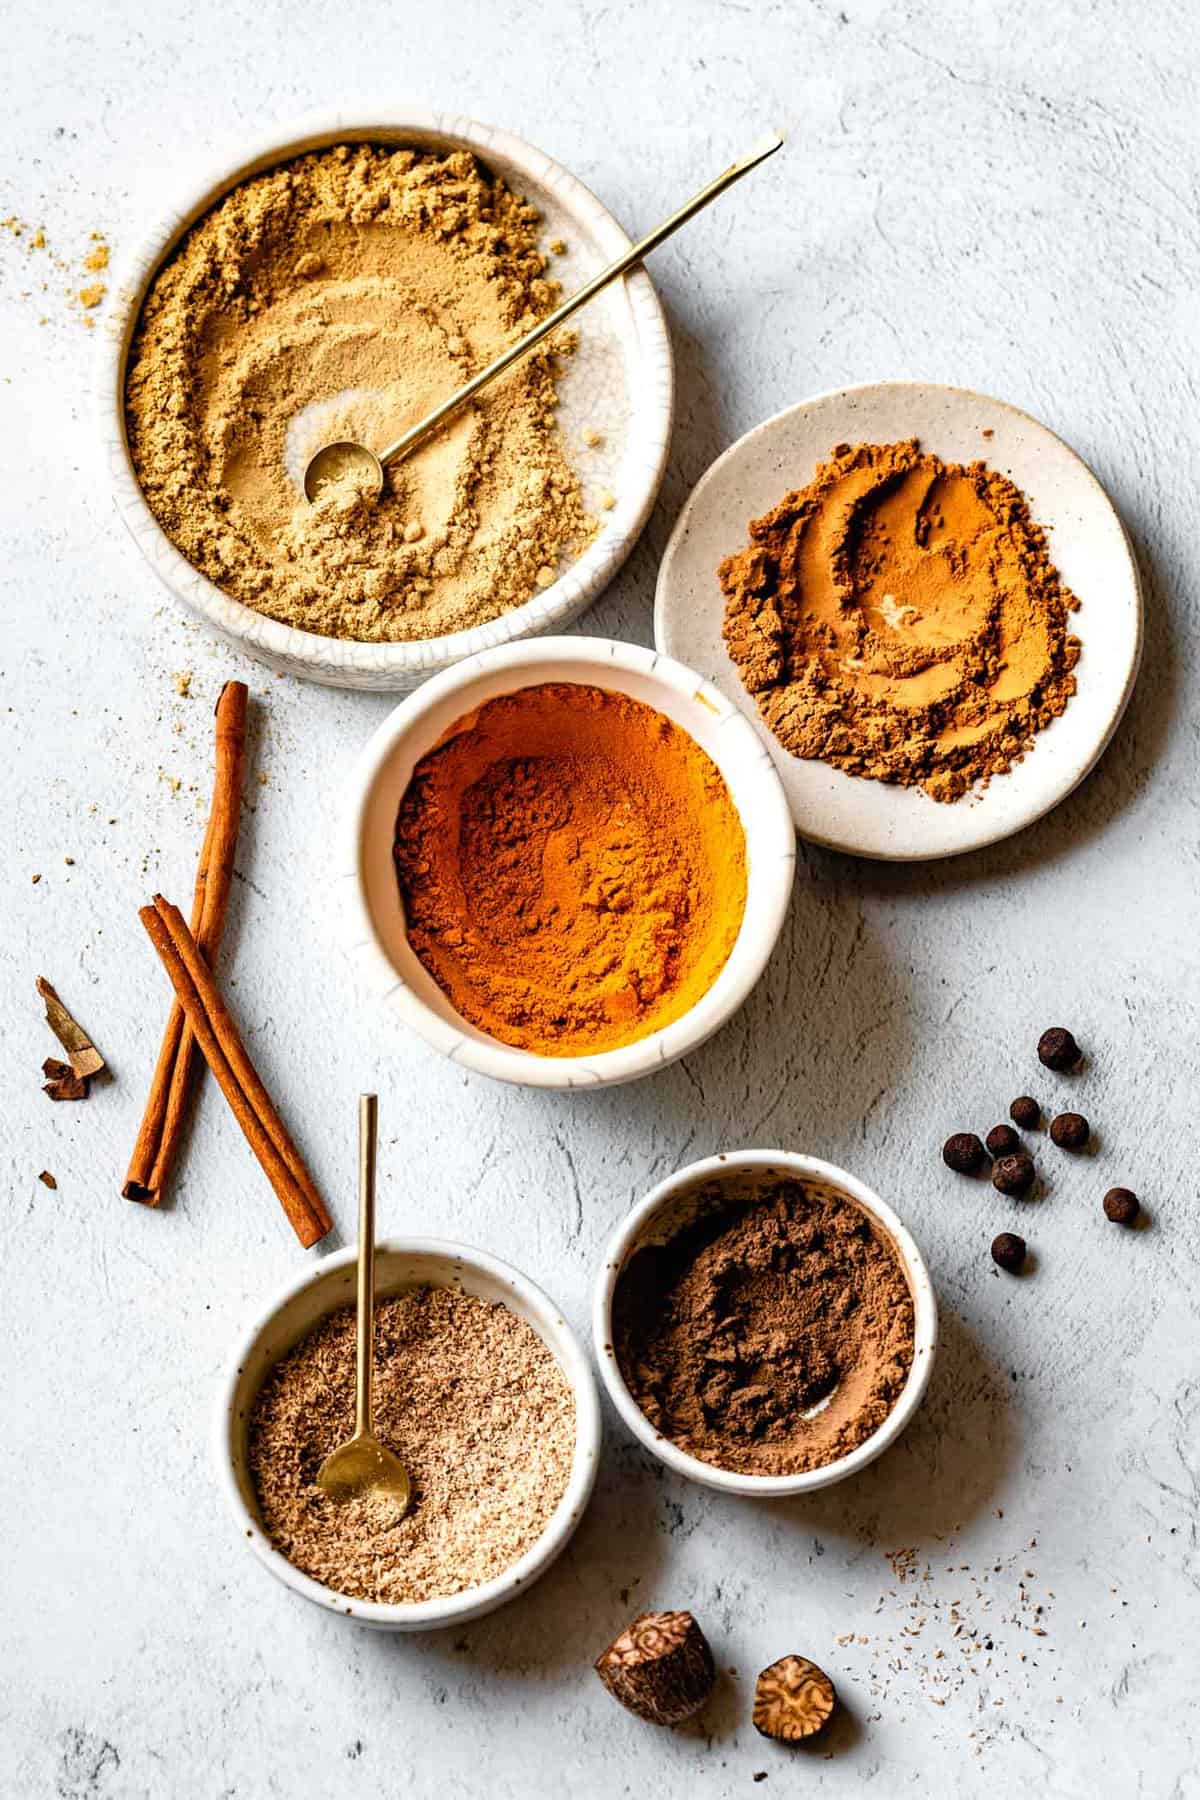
column 618, row 387
column 1087, row 542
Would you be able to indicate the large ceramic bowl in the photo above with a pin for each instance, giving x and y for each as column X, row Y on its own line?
column 619, row 384
column 673, row 1204
column 367, row 874
column 400, row 1264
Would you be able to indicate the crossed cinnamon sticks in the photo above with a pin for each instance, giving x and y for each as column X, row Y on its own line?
column 199, row 1018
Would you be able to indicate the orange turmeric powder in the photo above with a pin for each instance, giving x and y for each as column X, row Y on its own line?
column 573, row 868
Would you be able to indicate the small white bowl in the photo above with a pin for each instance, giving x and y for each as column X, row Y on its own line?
column 620, row 383
column 670, row 1206
column 372, row 896
column 400, row 1264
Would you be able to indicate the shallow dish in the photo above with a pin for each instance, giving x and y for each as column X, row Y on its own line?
column 367, row 873
column 400, row 1264
column 1087, row 542
column 619, row 382
column 659, row 1216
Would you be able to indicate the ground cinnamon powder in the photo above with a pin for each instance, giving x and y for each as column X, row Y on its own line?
column 474, row 1404
column 344, row 295
column 573, row 868
column 771, row 1335
column 900, row 618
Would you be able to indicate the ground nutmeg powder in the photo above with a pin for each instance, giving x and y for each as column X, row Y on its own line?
column 476, row 1407
column 573, row 868
column 771, row 1335
column 900, row 618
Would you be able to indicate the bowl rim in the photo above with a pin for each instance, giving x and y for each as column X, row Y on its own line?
column 770, row 849
column 924, row 1308
column 451, row 1609
column 355, row 662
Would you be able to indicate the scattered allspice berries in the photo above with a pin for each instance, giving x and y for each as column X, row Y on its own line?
column 793, row 1700
column 1058, row 1050
column 1008, row 1252
column 1121, row 1205
column 1002, row 1140
column 1013, row 1174
column 1025, row 1112
column 963, row 1153
column 660, row 1667
column 1070, row 1131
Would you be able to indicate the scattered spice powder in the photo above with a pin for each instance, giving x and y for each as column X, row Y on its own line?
column 474, row 1404
column 900, row 618
column 572, row 867
column 343, row 295
column 771, row 1334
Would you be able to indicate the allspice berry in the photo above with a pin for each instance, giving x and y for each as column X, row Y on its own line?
column 1025, row 1112
column 1002, row 1140
column 1070, row 1131
column 964, row 1153
column 1057, row 1049
column 1008, row 1251
column 1121, row 1205
column 1013, row 1174
column 660, row 1667
column 793, row 1700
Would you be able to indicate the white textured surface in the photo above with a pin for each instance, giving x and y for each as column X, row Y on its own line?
column 1004, row 198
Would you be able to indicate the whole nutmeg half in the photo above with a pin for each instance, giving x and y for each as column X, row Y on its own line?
column 1070, row 1131
column 1057, row 1049
column 1013, row 1174
column 793, row 1700
column 964, row 1153
column 660, row 1667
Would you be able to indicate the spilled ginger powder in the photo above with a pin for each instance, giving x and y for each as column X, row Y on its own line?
column 573, row 868
column 344, row 295
column 900, row 618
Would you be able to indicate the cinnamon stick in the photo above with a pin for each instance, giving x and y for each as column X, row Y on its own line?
column 221, row 1045
column 162, row 1123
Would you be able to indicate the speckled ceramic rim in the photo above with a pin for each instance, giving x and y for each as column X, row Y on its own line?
column 627, row 1238
column 395, row 667
column 337, row 1272
column 714, row 721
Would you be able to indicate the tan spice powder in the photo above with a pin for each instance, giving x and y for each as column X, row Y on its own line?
column 900, row 618
column 475, row 1405
column 345, row 294
column 772, row 1335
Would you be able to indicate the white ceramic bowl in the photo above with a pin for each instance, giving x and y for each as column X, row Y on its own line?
column 367, row 874
column 670, row 1206
column 619, row 382
column 400, row 1264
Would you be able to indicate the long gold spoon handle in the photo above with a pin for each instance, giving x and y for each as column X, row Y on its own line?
column 628, row 260
column 368, row 1123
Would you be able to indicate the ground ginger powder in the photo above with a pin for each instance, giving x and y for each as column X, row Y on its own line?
column 344, row 295
column 900, row 618
column 573, row 869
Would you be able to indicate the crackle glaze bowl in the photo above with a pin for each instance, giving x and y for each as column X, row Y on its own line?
column 619, row 384
column 402, row 1263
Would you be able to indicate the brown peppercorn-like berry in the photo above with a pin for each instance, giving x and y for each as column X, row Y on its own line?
column 1121, row 1205
column 1070, row 1131
column 793, row 1699
column 1013, row 1174
column 1008, row 1251
column 660, row 1667
column 1057, row 1049
column 1025, row 1112
column 963, row 1153
column 1002, row 1140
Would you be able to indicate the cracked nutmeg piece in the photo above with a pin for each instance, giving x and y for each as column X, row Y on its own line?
column 660, row 1667
column 793, row 1699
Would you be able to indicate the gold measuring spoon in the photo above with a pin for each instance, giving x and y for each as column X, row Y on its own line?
column 335, row 462
column 361, row 1467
